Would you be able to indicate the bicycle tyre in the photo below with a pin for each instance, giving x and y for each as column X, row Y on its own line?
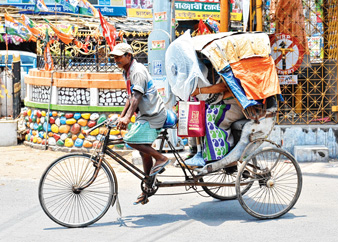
column 62, row 205
column 277, row 183
column 225, row 175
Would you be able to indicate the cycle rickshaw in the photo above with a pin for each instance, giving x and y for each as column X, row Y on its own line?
column 76, row 190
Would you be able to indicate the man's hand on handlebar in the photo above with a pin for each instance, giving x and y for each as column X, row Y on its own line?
column 122, row 123
column 113, row 120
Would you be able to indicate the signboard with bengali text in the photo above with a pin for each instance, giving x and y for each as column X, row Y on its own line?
column 185, row 9
column 197, row 9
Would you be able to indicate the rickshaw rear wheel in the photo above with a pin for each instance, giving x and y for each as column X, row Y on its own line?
column 225, row 175
column 276, row 183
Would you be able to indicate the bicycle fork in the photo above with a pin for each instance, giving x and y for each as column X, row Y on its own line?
column 97, row 164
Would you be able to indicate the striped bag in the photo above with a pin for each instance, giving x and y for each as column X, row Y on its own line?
column 215, row 143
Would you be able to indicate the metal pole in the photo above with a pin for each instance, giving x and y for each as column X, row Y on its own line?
column 6, row 85
column 97, row 58
column 259, row 14
column 6, row 70
column 49, row 103
column 251, row 14
column 224, row 16
column 173, row 17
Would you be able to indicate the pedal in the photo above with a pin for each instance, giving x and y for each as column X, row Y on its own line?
column 161, row 171
column 153, row 182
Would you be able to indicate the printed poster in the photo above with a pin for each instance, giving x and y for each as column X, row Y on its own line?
column 158, row 44
column 117, row 3
column 316, row 48
column 160, row 17
column 161, row 86
column 157, row 68
column 2, row 28
column 288, row 79
column 236, row 10
column 104, row 2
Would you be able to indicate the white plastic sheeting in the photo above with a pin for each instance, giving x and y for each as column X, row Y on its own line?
column 184, row 71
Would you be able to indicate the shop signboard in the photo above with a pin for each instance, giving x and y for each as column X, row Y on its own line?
column 140, row 9
column 184, row 9
column 197, row 9
column 115, row 8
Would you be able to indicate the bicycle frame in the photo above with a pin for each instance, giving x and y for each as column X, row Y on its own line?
column 190, row 179
column 263, row 171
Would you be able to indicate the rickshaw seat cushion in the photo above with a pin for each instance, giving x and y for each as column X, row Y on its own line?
column 239, row 124
column 171, row 119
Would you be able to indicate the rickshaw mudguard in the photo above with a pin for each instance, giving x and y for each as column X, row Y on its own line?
column 251, row 131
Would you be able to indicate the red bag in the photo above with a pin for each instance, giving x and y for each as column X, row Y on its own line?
column 191, row 119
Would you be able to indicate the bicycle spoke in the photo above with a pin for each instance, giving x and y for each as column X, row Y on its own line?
column 277, row 184
column 64, row 202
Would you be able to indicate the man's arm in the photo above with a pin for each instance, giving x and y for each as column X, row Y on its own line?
column 128, row 112
column 217, row 88
column 126, row 106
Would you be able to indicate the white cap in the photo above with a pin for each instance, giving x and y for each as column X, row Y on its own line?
column 121, row 49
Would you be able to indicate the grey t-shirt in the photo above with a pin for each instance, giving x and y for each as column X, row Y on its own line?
column 151, row 107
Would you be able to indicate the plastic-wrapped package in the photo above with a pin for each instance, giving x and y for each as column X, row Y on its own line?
column 183, row 69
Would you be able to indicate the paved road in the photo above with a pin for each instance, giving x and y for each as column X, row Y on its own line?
column 176, row 218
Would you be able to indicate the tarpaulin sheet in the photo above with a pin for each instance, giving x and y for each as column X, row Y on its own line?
column 236, row 47
column 258, row 77
column 235, row 85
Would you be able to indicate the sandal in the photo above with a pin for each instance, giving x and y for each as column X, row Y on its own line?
column 190, row 155
column 159, row 168
column 143, row 199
